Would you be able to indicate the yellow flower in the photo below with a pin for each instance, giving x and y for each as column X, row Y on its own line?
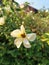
column 47, row 34
column 0, row 8
column 21, row 36
column 2, row 20
column 48, row 42
column 44, row 39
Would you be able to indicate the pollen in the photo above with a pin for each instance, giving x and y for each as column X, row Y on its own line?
column 23, row 35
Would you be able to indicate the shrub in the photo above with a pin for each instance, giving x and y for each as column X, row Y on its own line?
column 14, row 16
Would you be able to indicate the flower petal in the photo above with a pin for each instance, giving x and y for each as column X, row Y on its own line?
column 18, row 42
column 26, row 43
column 22, row 29
column 31, row 37
column 2, row 20
column 15, row 33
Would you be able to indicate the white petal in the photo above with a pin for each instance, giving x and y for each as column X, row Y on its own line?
column 15, row 33
column 26, row 43
column 2, row 20
column 18, row 42
column 31, row 37
column 22, row 29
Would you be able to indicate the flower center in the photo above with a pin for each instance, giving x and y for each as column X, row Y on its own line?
column 23, row 35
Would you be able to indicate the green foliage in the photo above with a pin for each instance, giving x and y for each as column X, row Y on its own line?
column 38, row 54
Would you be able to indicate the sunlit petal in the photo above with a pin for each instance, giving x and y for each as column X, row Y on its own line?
column 15, row 33
column 31, row 36
column 18, row 42
column 2, row 20
column 22, row 29
column 26, row 43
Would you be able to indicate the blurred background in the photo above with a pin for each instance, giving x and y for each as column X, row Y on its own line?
column 38, row 4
